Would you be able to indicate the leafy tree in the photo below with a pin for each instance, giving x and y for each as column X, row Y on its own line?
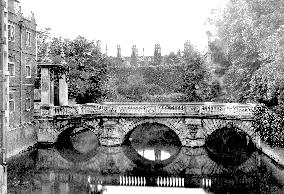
column 251, row 37
column 43, row 40
column 173, row 59
column 219, row 58
column 212, row 92
column 88, row 70
column 269, row 125
column 82, row 60
column 193, row 74
column 267, row 84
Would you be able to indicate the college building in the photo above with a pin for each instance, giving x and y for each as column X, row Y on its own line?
column 22, row 66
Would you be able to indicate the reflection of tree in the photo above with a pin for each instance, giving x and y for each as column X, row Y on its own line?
column 154, row 134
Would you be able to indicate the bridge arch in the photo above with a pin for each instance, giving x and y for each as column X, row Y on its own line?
column 192, row 132
column 70, row 126
column 211, row 125
column 177, row 125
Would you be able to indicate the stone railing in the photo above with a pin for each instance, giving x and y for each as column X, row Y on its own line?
column 153, row 109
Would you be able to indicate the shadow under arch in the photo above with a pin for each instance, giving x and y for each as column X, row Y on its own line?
column 154, row 135
column 229, row 146
column 66, row 147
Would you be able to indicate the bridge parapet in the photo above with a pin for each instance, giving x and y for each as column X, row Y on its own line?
column 152, row 109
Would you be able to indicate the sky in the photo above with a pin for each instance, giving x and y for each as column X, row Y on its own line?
column 143, row 23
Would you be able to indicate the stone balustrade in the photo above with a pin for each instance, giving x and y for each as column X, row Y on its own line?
column 152, row 109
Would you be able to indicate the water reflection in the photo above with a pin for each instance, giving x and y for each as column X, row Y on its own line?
column 156, row 145
column 77, row 145
column 229, row 147
column 47, row 171
column 154, row 154
column 77, row 164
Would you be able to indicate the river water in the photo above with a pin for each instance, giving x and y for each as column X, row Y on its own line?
column 139, row 166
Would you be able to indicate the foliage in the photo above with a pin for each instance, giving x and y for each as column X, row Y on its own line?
column 88, row 70
column 86, row 67
column 267, row 84
column 168, row 78
column 173, row 59
column 250, row 41
column 154, row 89
column 212, row 92
column 43, row 40
column 269, row 125
column 193, row 75
column 219, row 57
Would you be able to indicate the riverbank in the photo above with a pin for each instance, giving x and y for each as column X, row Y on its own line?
column 274, row 162
column 275, row 153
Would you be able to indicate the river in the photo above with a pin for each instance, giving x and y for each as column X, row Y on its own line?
column 139, row 166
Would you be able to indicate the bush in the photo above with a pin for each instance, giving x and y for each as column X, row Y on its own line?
column 154, row 89
column 269, row 124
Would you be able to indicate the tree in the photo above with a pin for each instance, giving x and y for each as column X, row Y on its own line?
column 43, row 40
column 82, row 60
column 219, row 58
column 173, row 59
column 251, row 36
column 267, row 84
column 88, row 70
column 193, row 74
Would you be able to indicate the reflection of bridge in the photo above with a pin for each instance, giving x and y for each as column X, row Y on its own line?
column 192, row 122
column 190, row 168
column 113, row 162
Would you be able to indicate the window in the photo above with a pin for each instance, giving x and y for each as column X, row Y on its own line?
column 11, row 32
column 28, row 70
column 28, row 38
column 11, row 67
column 11, row 103
column 28, row 104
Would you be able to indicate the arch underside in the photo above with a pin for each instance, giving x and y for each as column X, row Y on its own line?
column 92, row 125
column 191, row 132
column 211, row 125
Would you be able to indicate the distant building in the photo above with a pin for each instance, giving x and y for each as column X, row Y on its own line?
column 22, row 55
column 137, row 61
column 134, row 56
column 118, row 51
column 157, row 55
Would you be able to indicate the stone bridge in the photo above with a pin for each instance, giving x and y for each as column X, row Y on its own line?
column 111, row 122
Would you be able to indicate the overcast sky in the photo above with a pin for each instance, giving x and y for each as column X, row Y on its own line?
column 126, row 22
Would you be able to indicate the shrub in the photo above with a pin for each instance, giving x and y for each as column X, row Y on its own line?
column 269, row 124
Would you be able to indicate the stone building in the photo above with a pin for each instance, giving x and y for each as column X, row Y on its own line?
column 21, row 63
column 22, row 55
column 136, row 60
column 157, row 55
column 134, row 56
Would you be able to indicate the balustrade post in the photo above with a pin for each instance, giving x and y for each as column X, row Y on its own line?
column 63, row 91
column 78, row 109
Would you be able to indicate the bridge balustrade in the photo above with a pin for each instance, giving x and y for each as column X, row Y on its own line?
column 152, row 109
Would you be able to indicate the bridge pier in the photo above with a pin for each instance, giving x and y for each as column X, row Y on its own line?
column 111, row 135
column 46, row 131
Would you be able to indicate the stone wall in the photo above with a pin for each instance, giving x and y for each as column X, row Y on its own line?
column 20, row 139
